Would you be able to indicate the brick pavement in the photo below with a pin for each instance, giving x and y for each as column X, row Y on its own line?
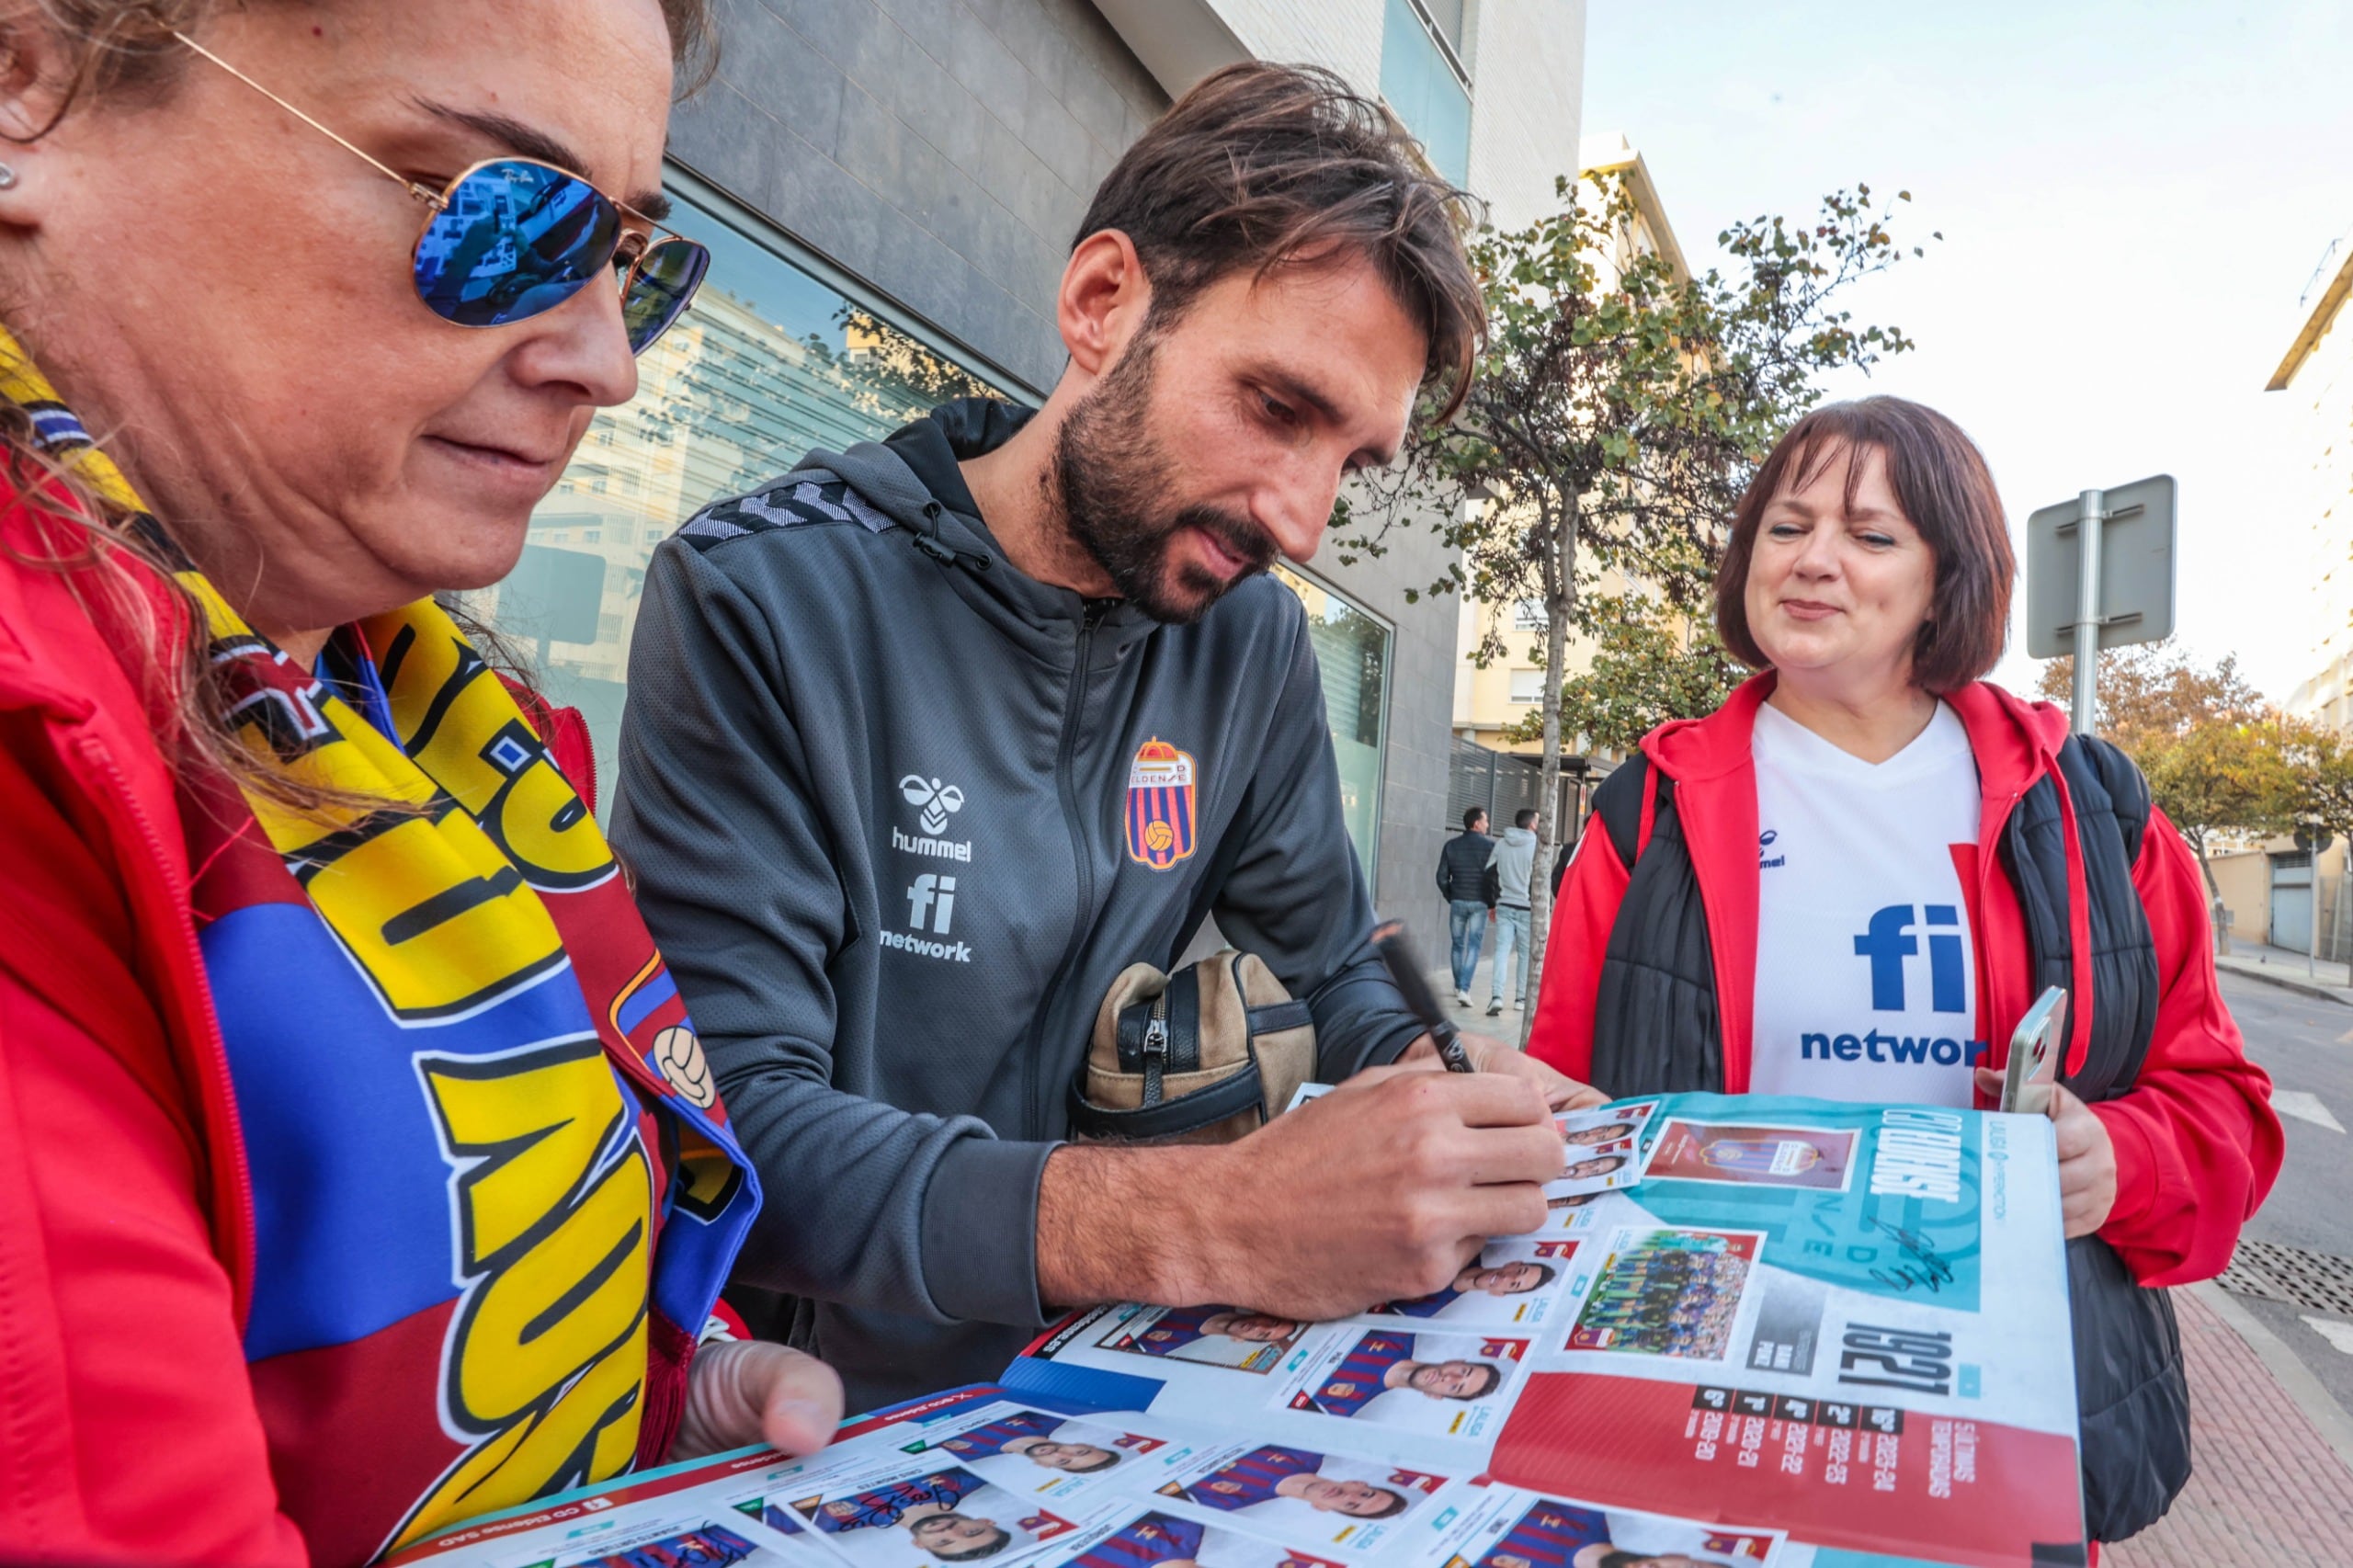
column 2267, row 1491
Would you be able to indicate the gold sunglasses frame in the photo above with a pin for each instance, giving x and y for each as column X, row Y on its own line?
column 632, row 246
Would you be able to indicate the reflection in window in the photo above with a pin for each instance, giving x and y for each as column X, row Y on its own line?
column 1352, row 657
column 770, row 364
column 1424, row 89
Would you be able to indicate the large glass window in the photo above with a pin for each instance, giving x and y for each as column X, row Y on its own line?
column 771, row 362
column 1352, row 655
column 1425, row 88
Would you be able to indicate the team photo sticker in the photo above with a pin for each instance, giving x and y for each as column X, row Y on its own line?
column 1668, row 1290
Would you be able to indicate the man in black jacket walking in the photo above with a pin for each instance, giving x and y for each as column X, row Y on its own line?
column 1462, row 880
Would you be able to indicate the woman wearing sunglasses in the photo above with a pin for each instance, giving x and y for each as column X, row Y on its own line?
column 360, row 1170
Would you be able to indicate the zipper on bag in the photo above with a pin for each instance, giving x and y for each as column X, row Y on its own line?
column 1155, row 1049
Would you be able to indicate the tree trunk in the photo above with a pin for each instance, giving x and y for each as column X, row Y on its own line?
column 2220, row 937
column 1558, row 600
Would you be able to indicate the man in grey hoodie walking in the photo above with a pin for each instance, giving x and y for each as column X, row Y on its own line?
column 929, row 739
column 1512, row 860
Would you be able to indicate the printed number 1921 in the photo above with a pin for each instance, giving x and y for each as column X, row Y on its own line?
column 1914, row 1361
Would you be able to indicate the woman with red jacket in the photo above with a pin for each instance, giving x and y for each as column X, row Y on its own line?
column 1851, row 880
column 359, row 1169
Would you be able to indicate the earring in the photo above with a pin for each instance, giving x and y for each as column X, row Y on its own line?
column 7, row 177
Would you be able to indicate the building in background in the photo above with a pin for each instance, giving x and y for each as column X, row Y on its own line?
column 2273, row 892
column 890, row 189
column 2317, row 372
column 1494, row 701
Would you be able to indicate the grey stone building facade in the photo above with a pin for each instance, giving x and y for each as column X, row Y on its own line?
column 894, row 185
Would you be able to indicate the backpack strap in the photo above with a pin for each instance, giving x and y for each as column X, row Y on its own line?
column 2110, row 801
column 1626, row 815
column 1657, row 1027
column 2128, row 790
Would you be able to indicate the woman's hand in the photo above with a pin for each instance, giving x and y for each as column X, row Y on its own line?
column 2087, row 1157
column 750, row 1391
column 2087, row 1163
column 1560, row 1091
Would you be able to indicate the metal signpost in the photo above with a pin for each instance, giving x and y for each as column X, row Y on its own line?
column 2314, row 842
column 2099, row 574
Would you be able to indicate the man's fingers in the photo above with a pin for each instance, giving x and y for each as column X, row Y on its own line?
column 1560, row 1091
column 1513, row 1154
column 1495, row 1100
column 1511, row 1210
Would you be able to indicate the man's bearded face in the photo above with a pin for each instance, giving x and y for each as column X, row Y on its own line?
column 1116, row 480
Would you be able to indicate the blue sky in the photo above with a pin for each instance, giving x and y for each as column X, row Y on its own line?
column 2132, row 195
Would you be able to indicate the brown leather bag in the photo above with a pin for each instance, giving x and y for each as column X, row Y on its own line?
column 1205, row 1056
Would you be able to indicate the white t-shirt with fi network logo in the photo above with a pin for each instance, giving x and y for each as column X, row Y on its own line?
column 1866, row 972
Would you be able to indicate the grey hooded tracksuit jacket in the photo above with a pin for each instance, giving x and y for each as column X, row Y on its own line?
column 1514, row 860
column 875, row 787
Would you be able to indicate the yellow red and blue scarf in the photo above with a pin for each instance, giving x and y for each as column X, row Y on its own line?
column 495, row 1194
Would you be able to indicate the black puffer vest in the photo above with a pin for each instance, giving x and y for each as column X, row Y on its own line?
column 1658, row 1028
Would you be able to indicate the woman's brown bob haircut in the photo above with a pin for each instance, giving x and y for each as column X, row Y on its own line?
column 1941, row 482
column 1262, row 165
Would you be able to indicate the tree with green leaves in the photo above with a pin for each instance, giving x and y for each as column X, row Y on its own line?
column 2219, row 761
column 1648, row 665
column 1620, row 408
column 2223, row 779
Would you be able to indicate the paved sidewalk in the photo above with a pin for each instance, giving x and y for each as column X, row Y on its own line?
column 2277, row 966
column 2271, row 1489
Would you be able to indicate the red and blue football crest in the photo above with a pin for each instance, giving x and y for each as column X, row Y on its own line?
column 1160, row 806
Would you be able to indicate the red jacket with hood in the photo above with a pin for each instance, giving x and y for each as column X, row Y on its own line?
column 2197, row 1143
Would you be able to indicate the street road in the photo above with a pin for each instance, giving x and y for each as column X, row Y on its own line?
column 2306, row 1045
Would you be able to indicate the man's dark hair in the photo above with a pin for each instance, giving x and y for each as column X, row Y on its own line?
column 1494, row 1382
column 1390, row 1509
column 1262, row 166
column 1471, row 818
column 1522, row 817
column 1106, row 1461
column 1941, row 480
column 1545, row 1274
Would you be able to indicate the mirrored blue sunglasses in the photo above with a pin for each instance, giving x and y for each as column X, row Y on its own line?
column 510, row 238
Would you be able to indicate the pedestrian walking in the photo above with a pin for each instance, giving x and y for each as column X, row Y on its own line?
column 1462, row 881
column 1513, row 861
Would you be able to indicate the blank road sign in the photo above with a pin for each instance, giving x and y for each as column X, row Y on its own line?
column 2136, row 570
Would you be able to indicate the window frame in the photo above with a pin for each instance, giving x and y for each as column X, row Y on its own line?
column 1368, row 855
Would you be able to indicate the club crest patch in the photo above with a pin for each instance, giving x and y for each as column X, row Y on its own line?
column 1160, row 806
